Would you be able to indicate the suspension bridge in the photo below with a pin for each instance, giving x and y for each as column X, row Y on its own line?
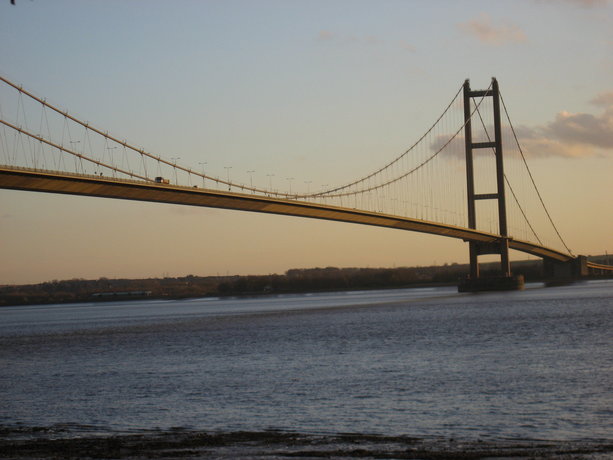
column 454, row 181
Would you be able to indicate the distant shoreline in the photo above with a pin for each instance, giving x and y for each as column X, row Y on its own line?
column 293, row 281
column 134, row 298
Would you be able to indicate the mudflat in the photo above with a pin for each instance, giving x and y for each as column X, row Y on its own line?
column 186, row 444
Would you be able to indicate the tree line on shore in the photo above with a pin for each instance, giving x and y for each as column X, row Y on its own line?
column 292, row 281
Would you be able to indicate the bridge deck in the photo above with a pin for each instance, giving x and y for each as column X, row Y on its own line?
column 73, row 184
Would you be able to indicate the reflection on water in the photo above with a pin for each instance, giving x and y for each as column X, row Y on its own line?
column 425, row 362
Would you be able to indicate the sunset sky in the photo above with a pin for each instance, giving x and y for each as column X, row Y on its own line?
column 321, row 91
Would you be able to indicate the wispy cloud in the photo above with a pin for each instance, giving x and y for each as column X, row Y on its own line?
column 581, row 3
column 407, row 47
column 486, row 31
column 589, row 3
column 364, row 40
column 604, row 100
column 325, row 35
column 329, row 36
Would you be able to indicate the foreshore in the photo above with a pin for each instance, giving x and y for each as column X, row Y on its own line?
column 186, row 444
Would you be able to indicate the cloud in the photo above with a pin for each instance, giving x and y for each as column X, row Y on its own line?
column 604, row 100
column 407, row 47
column 454, row 146
column 581, row 3
column 329, row 36
column 573, row 134
column 371, row 40
column 583, row 128
column 325, row 35
column 569, row 135
column 486, row 32
column 537, row 144
column 363, row 40
column 589, row 3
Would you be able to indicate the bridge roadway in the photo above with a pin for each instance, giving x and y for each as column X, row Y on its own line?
column 106, row 187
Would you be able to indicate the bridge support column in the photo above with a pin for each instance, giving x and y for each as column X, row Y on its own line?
column 504, row 278
column 501, row 280
column 556, row 272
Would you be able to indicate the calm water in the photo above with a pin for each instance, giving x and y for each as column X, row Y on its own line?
column 427, row 362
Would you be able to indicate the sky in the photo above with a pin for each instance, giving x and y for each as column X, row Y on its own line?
column 321, row 91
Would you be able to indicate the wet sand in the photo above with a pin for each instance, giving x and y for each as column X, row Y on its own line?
column 185, row 444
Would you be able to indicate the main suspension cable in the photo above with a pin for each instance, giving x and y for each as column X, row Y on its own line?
column 218, row 180
column 140, row 151
column 330, row 193
column 72, row 152
column 391, row 163
column 532, row 178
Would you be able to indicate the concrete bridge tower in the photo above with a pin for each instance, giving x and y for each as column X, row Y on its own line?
column 504, row 279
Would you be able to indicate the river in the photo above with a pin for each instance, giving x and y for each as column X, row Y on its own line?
column 432, row 363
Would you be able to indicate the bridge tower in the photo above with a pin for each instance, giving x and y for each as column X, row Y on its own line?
column 504, row 279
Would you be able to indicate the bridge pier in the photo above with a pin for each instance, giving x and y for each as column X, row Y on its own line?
column 556, row 272
column 502, row 280
column 492, row 283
